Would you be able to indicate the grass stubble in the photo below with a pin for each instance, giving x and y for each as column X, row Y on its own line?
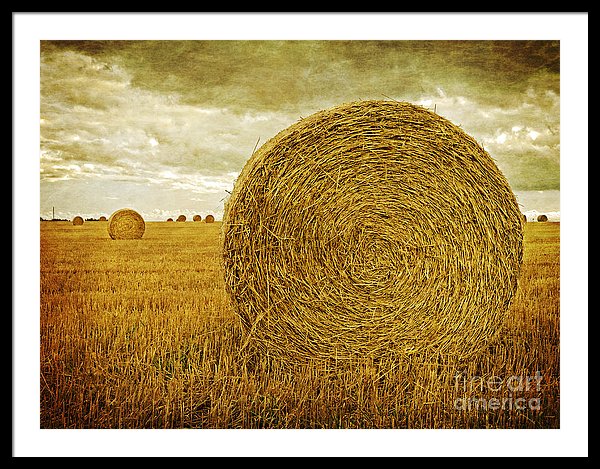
column 140, row 334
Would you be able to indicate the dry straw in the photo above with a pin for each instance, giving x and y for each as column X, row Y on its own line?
column 197, row 218
column 77, row 221
column 542, row 218
column 370, row 229
column 181, row 218
column 209, row 219
column 102, row 218
column 126, row 224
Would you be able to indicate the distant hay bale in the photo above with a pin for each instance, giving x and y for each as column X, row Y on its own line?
column 102, row 218
column 77, row 221
column 209, row 219
column 197, row 218
column 525, row 218
column 542, row 218
column 181, row 218
column 351, row 234
column 126, row 224
column 169, row 219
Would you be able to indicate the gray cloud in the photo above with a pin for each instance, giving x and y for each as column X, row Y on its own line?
column 288, row 74
column 184, row 116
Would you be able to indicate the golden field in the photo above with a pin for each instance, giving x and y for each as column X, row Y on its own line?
column 139, row 334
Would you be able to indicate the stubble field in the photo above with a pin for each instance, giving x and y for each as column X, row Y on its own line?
column 139, row 334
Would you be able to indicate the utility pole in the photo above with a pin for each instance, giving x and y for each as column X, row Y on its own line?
column 53, row 212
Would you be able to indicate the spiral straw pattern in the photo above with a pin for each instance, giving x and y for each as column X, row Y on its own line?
column 369, row 229
column 126, row 224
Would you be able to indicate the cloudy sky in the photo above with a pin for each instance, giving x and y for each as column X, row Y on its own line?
column 165, row 127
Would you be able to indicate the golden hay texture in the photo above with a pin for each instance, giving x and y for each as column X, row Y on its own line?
column 369, row 229
column 77, row 221
column 542, row 218
column 181, row 218
column 126, row 224
column 102, row 218
column 197, row 218
column 209, row 219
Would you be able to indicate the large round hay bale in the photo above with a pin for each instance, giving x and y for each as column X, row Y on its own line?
column 209, row 219
column 126, row 224
column 181, row 218
column 197, row 218
column 542, row 218
column 77, row 220
column 102, row 218
column 369, row 229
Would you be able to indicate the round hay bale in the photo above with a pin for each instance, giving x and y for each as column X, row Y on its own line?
column 102, row 218
column 126, row 224
column 369, row 229
column 169, row 219
column 525, row 218
column 197, row 218
column 77, row 220
column 542, row 218
column 209, row 219
column 181, row 218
